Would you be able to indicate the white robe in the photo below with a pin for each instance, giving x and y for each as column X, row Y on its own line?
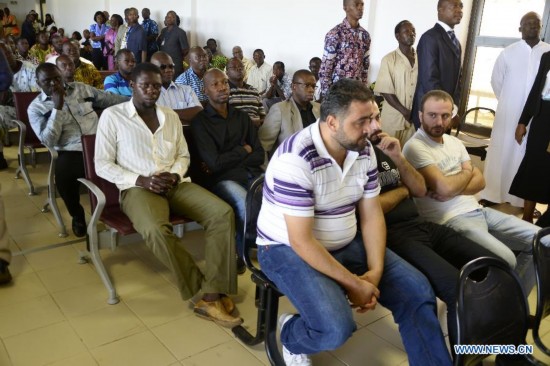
column 513, row 76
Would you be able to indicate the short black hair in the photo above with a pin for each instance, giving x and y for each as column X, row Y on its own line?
column 259, row 50
column 399, row 25
column 281, row 64
column 340, row 96
column 300, row 73
column 45, row 66
column 121, row 52
column 316, row 59
column 99, row 12
column 143, row 68
column 118, row 18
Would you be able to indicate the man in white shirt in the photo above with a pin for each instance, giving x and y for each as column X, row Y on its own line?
column 155, row 184
column 453, row 181
column 513, row 76
column 260, row 73
column 181, row 98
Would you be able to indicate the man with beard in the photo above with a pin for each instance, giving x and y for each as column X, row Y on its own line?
column 396, row 83
column 155, row 184
column 310, row 247
column 292, row 115
column 437, row 251
column 452, row 182
column 181, row 98
column 229, row 148
column 198, row 63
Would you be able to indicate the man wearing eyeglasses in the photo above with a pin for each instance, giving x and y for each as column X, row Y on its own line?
column 181, row 98
column 292, row 115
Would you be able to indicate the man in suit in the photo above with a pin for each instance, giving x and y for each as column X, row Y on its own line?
column 291, row 115
column 439, row 56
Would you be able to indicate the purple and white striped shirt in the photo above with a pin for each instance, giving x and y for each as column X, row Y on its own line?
column 302, row 179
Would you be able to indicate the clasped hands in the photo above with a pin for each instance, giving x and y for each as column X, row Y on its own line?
column 159, row 183
column 363, row 296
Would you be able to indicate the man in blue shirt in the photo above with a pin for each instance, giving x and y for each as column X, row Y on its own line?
column 135, row 38
column 119, row 83
column 151, row 31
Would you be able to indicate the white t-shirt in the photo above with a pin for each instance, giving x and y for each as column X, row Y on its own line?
column 421, row 151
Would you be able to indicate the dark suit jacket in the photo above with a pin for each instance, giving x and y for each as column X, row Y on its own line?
column 439, row 67
column 532, row 105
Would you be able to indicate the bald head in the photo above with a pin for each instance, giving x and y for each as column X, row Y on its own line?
column 238, row 52
column 198, row 60
column 530, row 26
column 216, row 87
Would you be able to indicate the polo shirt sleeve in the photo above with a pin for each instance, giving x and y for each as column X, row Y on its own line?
column 372, row 187
column 290, row 186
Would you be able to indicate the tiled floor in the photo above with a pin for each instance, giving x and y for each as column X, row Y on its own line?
column 55, row 311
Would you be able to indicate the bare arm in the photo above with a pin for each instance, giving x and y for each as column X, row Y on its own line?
column 373, row 229
column 390, row 199
column 476, row 184
column 300, row 232
column 447, row 186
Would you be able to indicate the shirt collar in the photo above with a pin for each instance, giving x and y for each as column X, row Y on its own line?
column 130, row 109
column 320, row 145
column 445, row 26
column 346, row 23
column 211, row 112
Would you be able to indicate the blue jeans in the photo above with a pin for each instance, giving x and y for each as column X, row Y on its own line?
column 501, row 233
column 235, row 195
column 325, row 318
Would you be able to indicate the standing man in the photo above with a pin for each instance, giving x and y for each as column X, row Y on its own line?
column 396, row 82
column 135, row 38
column 513, row 76
column 439, row 56
column 198, row 63
column 230, row 149
column 310, row 247
column 173, row 41
column 151, row 31
column 260, row 73
column 155, row 184
column 292, row 115
column 347, row 46
column 59, row 116
column 243, row 96
column 314, row 67
column 181, row 98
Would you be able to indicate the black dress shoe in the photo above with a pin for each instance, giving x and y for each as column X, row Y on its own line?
column 241, row 266
column 5, row 275
column 79, row 227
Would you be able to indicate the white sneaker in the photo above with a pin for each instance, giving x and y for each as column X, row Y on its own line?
column 290, row 358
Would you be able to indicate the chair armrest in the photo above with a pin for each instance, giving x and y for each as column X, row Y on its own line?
column 100, row 197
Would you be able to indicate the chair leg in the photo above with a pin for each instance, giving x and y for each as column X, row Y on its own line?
column 271, row 346
column 51, row 202
column 93, row 244
column 245, row 336
column 22, row 169
column 538, row 340
column 33, row 157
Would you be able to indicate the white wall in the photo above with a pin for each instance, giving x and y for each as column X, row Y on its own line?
column 291, row 31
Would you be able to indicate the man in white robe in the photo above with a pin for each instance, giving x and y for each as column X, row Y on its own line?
column 512, row 79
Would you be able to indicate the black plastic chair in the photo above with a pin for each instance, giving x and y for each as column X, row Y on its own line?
column 491, row 311
column 267, row 294
column 541, row 256
column 474, row 136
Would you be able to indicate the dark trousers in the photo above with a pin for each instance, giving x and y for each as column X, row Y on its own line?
column 438, row 252
column 68, row 168
column 100, row 61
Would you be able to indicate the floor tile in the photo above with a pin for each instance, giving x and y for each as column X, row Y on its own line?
column 81, row 300
column 230, row 353
column 4, row 357
column 139, row 349
column 142, row 281
column 386, row 329
column 19, row 265
column 158, row 307
column 183, row 343
column 68, row 275
column 52, row 257
column 22, row 288
column 365, row 345
column 28, row 315
column 82, row 359
column 44, row 345
column 106, row 325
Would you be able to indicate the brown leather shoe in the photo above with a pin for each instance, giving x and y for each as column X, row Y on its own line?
column 215, row 311
column 228, row 304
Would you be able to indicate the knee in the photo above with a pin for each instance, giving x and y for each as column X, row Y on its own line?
column 154, row 230
column 337, row 332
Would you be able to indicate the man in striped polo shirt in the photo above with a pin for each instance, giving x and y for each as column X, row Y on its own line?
column 310, row 246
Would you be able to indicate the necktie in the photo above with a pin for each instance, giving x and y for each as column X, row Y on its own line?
column 454, row 39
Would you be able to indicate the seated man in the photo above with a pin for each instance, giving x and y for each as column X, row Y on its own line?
column 309, row 245
column 42, row 47
column 243, row 96
column 181, row 98
column 260, row 72
column 24, row 80
column 279, row 85
column 453, row 181
column 59, row 116
column 57, row 48
column 84, row 72
column 65, row 64
column 229, row 148
column 237, row 52
column 437, row 251
column 198, row 63
column 118, row 83
column 292, row 115
column 155, row 184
